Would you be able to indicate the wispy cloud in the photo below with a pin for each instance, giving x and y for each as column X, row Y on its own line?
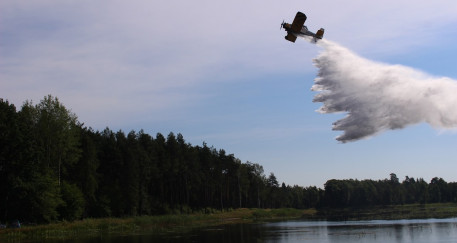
column 143, row 55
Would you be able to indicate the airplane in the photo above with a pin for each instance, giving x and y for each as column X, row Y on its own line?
column 298, row 29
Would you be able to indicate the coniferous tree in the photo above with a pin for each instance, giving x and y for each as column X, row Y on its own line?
column 54, row 168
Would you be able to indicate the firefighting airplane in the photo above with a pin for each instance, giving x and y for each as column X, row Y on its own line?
column 298, row 29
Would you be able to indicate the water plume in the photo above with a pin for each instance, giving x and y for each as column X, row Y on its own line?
column 378, row 96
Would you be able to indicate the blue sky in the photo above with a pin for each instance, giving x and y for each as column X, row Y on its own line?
column 223, row 73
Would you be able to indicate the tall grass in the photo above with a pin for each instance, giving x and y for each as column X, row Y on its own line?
column 392, row 212
column 210, row 217
column 160, row 223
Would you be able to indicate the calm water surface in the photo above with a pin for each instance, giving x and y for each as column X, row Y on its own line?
column 417, row 230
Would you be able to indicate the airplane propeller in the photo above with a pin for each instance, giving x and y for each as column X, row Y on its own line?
column 282, row 24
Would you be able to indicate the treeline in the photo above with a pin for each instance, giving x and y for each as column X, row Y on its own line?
column 52, row 167
column 355, row 193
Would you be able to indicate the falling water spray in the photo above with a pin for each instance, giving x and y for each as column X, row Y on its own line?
column 377, row 97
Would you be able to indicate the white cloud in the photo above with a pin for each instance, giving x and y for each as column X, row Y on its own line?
column 143, row 55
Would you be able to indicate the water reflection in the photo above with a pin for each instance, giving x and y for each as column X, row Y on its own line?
column 423, row 230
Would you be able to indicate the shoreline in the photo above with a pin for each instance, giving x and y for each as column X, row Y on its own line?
column 167, row 224
column 390, row 212
column 91, row 227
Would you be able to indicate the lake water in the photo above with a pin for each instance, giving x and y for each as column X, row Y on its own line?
column 416, row 230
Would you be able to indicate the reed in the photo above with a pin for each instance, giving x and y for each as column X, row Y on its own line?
column 91, row 227
column 389, row 212
column 160, row 223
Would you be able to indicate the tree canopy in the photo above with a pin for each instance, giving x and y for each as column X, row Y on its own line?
column 54, row 168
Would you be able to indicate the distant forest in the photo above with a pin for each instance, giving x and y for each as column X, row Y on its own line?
column 52, row 167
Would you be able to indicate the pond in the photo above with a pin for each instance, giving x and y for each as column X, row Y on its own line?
column 415, row 230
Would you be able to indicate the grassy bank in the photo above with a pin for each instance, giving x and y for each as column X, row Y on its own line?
column 152, row 224
column 186, row 222
column 392, row 212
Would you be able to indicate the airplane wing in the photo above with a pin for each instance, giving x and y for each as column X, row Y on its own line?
column 291, row 37
column 299, row 21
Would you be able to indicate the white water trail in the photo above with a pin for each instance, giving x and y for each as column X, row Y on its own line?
column 379, row 97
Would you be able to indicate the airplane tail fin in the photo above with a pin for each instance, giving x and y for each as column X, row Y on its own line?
column 320, row 33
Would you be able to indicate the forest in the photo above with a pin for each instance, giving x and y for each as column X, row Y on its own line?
column 52, row 167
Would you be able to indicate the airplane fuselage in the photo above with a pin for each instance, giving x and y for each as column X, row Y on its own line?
column 304, row 31
column 297, row 28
